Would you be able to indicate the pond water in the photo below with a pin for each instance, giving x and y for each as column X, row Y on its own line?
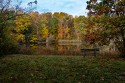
column 59, row 48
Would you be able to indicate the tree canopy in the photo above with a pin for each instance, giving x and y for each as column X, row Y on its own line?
column 110, row 15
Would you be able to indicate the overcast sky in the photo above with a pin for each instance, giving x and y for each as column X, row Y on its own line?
column 73, row 7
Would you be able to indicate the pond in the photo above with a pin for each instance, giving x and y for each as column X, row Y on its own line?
column 58, row 49
column 70, row 47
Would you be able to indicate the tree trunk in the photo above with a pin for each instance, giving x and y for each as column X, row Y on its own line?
column 123, row 38
column 27, row 42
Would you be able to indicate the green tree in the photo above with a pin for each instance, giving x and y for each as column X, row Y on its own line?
column 7, row 16
column 8, row 13
column 53, row 27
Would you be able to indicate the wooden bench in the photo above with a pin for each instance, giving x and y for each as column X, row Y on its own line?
column 88, row 51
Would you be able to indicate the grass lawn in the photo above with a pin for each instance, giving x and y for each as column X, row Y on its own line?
column 60, row 69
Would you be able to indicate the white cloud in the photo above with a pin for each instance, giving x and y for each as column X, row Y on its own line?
column 74, row 7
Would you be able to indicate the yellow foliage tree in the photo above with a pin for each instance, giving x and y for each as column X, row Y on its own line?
column 23, row 28
column 44, row 32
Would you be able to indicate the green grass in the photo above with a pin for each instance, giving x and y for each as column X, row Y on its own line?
column 60, row 69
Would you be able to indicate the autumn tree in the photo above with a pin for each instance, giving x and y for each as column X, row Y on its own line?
column 61, row 24
column 67, row 24
column 23, row 27
column 113, row 13
column 44, row 32
column 8, row 12
column 36, row 23
column 79, row 26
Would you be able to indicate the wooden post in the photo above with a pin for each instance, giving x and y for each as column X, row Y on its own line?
column 94, row 47
column 84, row 53
column 95, row 52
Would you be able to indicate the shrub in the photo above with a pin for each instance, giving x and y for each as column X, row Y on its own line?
column 26, row 50
column 7, row 46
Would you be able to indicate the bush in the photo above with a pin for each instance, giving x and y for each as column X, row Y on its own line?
column 26, row 50
column 7, row 46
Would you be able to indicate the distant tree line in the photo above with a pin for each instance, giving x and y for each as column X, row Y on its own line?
column 19, row 27
column 105, row 22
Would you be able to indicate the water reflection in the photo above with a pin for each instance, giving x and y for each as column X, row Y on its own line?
column 59, row 48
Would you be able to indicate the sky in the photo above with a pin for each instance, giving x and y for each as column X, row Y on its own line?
column 73, row 7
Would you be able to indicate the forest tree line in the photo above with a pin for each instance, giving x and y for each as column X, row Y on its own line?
column 105, row 21
column 19, row 28
column 35, row 27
